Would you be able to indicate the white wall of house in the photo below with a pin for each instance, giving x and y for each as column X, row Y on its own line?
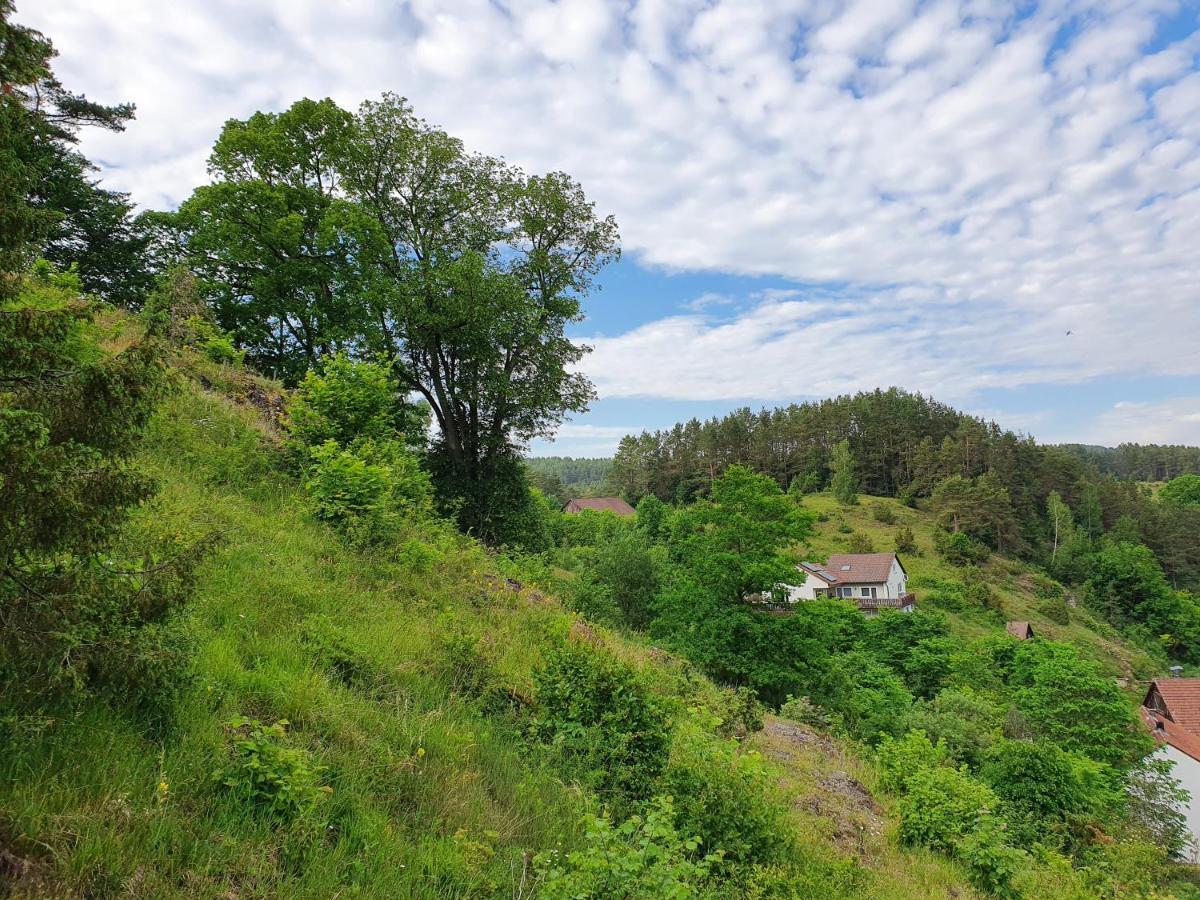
column 807, row 589
column 895, row 586
column 897, row 583
column 1187, row 770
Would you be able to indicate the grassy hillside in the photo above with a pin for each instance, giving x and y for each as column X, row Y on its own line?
column 1018, row 593
column 396, row 673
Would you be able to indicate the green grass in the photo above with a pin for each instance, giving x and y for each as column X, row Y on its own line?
column 430, row 795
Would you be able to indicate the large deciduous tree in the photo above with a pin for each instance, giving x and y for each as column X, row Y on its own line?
column 266, row 238
column 380, row 234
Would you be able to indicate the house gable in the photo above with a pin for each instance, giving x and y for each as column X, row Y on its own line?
column 1177, row 699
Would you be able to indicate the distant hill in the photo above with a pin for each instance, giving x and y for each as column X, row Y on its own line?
column 1140, row 462
column 564, row 477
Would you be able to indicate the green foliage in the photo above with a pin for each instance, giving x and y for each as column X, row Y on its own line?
column 958, row 548
column 978, row 507
column 882, row 513
column 51, row 205
column 642, row 857
column 1183, row 490
column 367, row 492
column 578, row 476
column 963, row 721
column 629, row 571
column 860, row 543
column 1155, row 804
column 85, row 603
column 941, row 806
column 844, row 483
column 651, row 514
column 993, row 864
column 732, row 543
column 356, row 430
column 899, row 759
column 1123, row 577
column 498, row 506
column 906, row 542
column 604, row 722
column 351, row 402
column 1067, row 700
column 281, row 781
column 868, row 698
column 723, row 796
column 804, row 711
column 1045, row 791
column 324, row 230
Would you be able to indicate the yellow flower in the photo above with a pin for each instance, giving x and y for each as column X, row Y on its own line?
column 420, row 751
column 163, row 790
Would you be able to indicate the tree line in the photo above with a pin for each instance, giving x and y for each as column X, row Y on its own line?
column 1140, row 462
column 990, row 481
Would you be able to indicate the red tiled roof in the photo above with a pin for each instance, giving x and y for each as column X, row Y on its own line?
column 1180, row 701
column 854, row 568
column 612, row 504
column 1167, row 732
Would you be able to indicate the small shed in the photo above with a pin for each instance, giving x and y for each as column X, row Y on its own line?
column 1022, row 631
column 612, row 504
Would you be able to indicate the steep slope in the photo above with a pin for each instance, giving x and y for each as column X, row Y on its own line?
column 1017, row 592
column 393, row 670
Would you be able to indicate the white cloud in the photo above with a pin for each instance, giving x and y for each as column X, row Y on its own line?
column 582, row 439
column 1173, row 421
column 982, row 181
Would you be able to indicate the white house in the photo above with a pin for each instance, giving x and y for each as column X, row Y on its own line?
column 874, row 581
column 1171, row 711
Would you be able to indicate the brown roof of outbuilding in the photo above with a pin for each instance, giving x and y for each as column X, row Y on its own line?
column 854, row 568
column 1022, row 630
column 612, row 504
column 1180, row 701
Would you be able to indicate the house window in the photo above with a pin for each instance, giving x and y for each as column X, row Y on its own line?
column 845, row 592
column 868, row 592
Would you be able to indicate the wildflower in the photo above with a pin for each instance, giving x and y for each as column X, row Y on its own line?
column 162, row 790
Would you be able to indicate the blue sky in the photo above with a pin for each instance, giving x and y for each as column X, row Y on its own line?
column 994, row 203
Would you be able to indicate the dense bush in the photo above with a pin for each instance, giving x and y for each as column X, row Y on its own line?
column 645, row 856
column 941, row 806
column 1068, row 700
column 722, row 795
column 882, row 513
column 899, row 759
column 965, row 722
column 1045, row 791
column 860, row 543
column 605, row 723
column 368, row 491
column 351, row 401
column 281, row 781
column 906, row 542
column 353, row 434
column 868, row 698
column 85, row 602
column 959, row 548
